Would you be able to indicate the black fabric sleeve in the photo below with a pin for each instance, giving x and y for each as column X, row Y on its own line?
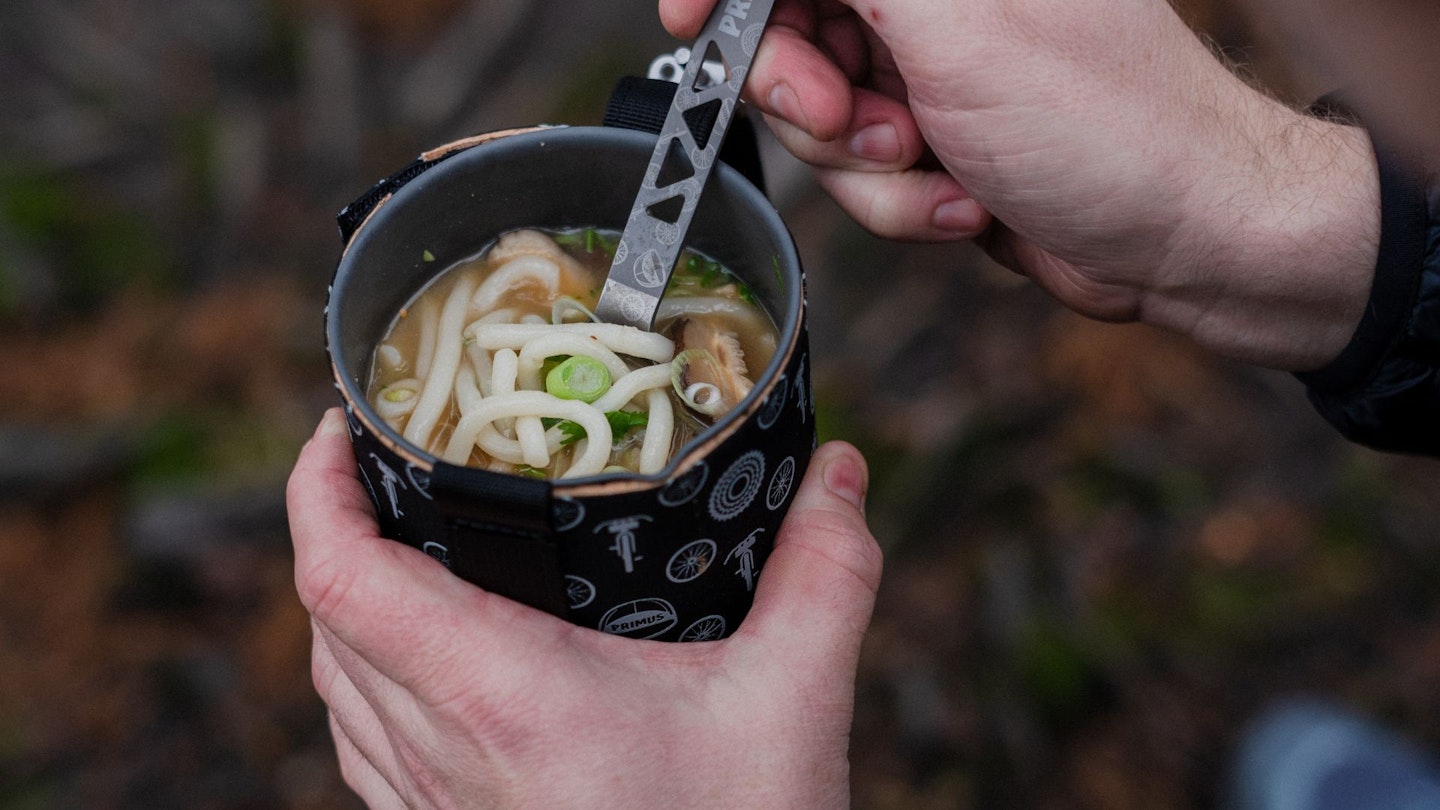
column 1383, row 390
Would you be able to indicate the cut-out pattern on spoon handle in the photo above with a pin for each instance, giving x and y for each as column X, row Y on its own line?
column 680, row 165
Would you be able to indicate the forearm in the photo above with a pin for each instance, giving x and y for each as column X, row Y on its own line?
column 1276, row 265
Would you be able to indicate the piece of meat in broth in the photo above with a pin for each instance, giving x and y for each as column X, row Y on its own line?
column 524, row 242
column 530, row 260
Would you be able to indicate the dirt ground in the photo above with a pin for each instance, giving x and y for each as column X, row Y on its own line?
column 1105, row 550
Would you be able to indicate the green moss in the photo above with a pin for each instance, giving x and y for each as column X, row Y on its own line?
column 1059, row 673
column 176, row 446
column 183, row 446
column 94, row 244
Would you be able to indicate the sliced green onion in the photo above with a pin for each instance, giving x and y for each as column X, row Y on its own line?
column 746, row 294
column 398, row 394
column 550, row 363
column 702, row 396
column 580, row 377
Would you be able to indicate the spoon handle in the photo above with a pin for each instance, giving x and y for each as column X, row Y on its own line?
column 655, row 231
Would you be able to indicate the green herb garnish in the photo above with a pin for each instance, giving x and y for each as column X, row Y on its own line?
column 621, row 422
column 589, row 240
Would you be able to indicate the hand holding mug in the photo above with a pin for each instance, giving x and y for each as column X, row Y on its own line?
column 441, row 694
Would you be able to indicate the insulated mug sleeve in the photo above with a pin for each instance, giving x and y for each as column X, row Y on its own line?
column 642, row 104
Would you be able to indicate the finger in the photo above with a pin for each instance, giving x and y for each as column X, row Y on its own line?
column 324, row 493
column 389, row 602
column 337, row 541
column 360, row 775
column 349, row 709
column 817, row 589
column 684, row 18
column 341, row 561
column 380, row 718
column 882, row 136
column 358, row 584
column 792, row 79
column 349, row 676
column 913, row 205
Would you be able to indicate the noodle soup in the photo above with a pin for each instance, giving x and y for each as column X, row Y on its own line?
column 499, row 363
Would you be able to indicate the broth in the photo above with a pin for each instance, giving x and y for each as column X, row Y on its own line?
column 498, row 363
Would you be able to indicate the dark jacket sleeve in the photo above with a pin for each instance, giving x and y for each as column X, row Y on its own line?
column 1383, row 390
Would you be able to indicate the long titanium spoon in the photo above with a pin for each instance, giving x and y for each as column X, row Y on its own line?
column 655, row 230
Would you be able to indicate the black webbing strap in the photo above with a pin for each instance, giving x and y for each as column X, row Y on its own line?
column 352, row 215
column 503, row 538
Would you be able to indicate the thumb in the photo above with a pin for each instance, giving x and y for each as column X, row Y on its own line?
column 817, row 590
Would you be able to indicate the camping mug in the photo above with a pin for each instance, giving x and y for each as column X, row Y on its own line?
column 671, row 556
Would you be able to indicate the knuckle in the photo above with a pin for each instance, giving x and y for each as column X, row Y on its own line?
column 324, row 587
column 419, row 764
column 836, row 538
column 323, row 674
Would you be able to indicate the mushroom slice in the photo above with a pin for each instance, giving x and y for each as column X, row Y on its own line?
column 727, row 374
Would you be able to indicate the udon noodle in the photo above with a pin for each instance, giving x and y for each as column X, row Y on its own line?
column 500, row 363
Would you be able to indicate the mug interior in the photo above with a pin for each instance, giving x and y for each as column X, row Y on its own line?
column 552, row 179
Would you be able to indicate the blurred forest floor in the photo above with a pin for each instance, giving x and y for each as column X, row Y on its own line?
column 1105, row 550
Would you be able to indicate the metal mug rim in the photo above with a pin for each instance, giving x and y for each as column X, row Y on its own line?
column 561, row 136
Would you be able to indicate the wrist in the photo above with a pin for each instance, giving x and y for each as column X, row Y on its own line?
column 1275, row 264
